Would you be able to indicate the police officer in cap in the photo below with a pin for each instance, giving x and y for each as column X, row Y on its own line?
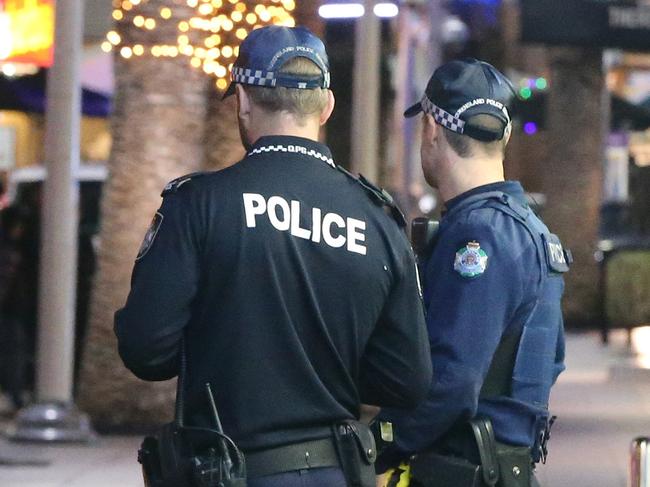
column 291, row 282
column 492, row 290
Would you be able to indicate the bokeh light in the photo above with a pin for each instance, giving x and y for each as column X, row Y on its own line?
column 530, row 128
column 209, row 38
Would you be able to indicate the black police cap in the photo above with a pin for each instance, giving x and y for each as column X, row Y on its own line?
column 265, row 50
column 462, row 89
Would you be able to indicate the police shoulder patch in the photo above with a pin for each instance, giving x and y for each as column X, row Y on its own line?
column 379, row 195
column 150, row 236
column 471, row 260
column 175, row 185
column 557, row 257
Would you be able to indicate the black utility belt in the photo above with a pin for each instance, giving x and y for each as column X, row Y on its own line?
column 199, row 457
column 497, row 465
column 351, row 447
column 431, row 469
column 297, row 456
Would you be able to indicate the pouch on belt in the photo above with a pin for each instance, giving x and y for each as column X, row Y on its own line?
column 355, row 446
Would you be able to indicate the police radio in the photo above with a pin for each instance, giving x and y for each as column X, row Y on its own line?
column 423, row 233
column 216, row 467
column 189, row 456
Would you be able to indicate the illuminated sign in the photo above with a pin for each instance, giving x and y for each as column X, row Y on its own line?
column 27, row 31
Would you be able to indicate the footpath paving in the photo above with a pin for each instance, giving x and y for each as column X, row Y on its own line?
column 602, row 404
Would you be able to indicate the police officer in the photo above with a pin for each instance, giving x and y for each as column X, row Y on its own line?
column 292, row 282
column 492, row 287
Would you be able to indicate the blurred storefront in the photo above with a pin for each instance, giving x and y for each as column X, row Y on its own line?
column 585, row 143
column 26, row 53
column 26, row 43
column 581, row 135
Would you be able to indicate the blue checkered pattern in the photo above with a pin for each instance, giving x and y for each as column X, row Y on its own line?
column 444, row 118
column 258, row 77
column 253, row 77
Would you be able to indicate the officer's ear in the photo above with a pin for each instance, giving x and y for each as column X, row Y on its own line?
column 243, row 101
column 507, row 133
column 430, row 130
column 329, row 108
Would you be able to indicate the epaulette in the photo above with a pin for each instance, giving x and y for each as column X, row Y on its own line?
column 379, row 195
column 175, row 184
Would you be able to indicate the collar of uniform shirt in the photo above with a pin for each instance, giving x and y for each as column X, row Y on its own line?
column 512, row 188
column 292, row 145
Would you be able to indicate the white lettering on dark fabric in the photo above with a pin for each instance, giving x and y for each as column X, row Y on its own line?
column 254, row 204
column 329, row 220
column 557, row 255
column 295, row 222
column 482, row 101
column 280, row 53
column 355, row 235
column 283, row 223
column 330, row 228
column 316, row 219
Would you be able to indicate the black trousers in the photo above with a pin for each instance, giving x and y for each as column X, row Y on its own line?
column 314, row 477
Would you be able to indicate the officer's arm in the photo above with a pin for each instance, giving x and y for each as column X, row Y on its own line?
column 149, row 327
column 396, row 367
column 559, row 354
column 466, row 317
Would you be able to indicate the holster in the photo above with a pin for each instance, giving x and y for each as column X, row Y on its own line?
column 493, row 465
column 515, row 466
column 440, row 468
column 431, row 469
column 355, row 447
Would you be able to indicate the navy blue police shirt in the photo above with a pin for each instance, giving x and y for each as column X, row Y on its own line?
column 296, row 291
column 481, row 282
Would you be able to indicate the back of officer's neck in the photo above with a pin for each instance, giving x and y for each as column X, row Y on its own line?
column 464, row 174
column 285, row 124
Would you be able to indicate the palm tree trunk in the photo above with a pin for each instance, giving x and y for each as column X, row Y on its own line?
column 223, row 146
column 306, row 14
column 572, row 177
column 157, row 127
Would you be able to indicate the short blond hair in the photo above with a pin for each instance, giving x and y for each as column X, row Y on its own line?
column 302, row 103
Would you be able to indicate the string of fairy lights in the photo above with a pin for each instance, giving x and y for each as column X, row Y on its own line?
column 209, row 38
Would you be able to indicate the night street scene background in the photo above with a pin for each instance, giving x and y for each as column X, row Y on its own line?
column 137, row 86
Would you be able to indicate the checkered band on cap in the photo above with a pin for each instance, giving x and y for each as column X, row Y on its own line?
column 253, row 76
column 268, row 78
column 443, row 117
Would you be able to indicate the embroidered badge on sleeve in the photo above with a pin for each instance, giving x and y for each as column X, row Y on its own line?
column 471, row 260
column 150, row 236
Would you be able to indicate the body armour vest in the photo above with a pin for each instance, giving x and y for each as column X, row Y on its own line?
column 524, row 404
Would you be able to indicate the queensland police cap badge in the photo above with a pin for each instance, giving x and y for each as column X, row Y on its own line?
column 471, row 260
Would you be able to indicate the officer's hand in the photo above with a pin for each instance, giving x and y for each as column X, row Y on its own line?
column 382, row 480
